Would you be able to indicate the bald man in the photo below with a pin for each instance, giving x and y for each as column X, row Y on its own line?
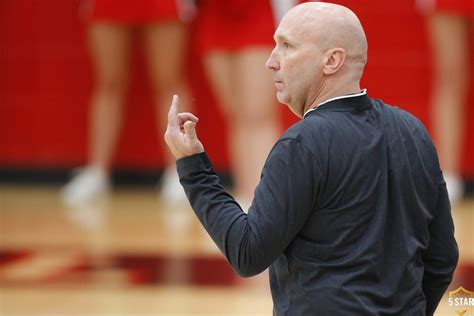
column 351, row 214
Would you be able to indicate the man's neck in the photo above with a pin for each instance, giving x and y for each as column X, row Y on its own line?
column 323, row 95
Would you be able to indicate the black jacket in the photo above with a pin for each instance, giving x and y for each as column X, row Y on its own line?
column 351, row 214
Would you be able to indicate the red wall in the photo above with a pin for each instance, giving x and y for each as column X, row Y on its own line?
column 46, row 78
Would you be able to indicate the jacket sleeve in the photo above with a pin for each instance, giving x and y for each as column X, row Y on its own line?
column 441, row 257
column 283, row 200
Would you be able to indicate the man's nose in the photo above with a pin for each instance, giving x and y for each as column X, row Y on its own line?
column 272, row 62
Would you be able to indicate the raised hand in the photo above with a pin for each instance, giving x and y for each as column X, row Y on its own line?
column 180, row 135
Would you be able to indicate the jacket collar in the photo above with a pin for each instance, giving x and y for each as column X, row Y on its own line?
column 352, row 102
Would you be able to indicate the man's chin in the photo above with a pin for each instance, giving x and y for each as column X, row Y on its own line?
column 292, row 108
column 281, row 98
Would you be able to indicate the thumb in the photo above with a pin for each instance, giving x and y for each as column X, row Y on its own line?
column 190, row 130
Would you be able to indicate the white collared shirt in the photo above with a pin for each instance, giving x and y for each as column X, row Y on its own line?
column 363, row 92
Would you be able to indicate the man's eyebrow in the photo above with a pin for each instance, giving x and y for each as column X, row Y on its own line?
column 280, row 38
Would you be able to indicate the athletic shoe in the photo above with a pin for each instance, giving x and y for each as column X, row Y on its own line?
column 171, row 191
column 455, row 186
column 89, row 184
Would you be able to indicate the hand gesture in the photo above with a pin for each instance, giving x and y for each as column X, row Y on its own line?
column 180, row 135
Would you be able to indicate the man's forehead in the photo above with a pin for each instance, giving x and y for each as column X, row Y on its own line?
column 291, row 31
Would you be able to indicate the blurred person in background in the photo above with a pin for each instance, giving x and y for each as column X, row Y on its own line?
column 451, row 31
column 235, row 38
column 111, row 27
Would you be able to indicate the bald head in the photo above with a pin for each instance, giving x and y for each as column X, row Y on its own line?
column 320, row 52
column 330, row 26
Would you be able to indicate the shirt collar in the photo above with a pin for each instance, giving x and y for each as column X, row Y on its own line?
column 363, row 93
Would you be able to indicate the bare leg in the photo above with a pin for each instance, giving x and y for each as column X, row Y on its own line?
column 109, row 46
column 110, row 50
column 450, row 46
column 246, row 91
column 165, row 45
column 451, row 70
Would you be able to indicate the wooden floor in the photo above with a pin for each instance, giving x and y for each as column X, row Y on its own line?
column 132, row 254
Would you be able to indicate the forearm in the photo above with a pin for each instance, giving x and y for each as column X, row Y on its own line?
column 442, row 255
column 284, row 198
column 220, row 215
column 435, row 283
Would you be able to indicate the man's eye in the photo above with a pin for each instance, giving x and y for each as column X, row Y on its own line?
column 286, row 45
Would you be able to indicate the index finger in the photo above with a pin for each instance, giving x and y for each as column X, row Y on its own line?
column 173, row 119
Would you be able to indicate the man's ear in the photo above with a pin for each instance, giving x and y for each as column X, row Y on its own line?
column 334, row 60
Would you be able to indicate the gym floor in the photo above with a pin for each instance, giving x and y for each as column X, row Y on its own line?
column 131, row 254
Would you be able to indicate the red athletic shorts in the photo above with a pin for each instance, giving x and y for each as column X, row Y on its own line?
column 135, row 11
column 231, row 25
column 457, row 7
column 462, row 7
